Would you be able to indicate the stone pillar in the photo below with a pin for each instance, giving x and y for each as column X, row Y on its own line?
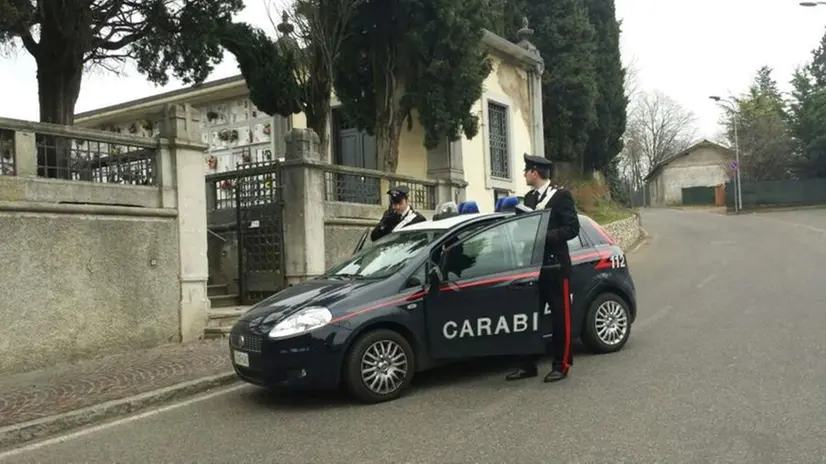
column 303, row 213
column 534, row 89
column 25, row 154
column 181, row 171
column 445, row 164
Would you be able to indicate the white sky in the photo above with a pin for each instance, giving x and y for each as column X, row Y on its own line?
column 687, row 49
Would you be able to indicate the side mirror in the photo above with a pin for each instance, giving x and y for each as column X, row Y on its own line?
column 414, row 282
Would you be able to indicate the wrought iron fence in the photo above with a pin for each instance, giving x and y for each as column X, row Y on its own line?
column 93, row 160
column 256, row 183
column 363, row 186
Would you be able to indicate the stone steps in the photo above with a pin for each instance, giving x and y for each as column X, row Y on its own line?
column 220, row 320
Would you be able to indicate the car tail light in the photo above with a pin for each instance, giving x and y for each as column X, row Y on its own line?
column 604, row 263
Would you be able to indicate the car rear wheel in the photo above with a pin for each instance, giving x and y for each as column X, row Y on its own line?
column 379, row 366
column 607, row 324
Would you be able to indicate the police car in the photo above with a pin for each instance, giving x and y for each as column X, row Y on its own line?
column 429, row 294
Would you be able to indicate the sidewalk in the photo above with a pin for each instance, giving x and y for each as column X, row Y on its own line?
column 34, row 404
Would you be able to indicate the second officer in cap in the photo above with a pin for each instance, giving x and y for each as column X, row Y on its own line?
column 398, row 215
column 554, row 283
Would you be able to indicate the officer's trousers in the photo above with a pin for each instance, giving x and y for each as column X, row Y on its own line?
column 555, row 297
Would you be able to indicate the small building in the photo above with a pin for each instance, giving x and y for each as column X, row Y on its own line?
column 695, row 175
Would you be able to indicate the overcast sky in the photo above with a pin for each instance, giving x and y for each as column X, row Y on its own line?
column 687, row 49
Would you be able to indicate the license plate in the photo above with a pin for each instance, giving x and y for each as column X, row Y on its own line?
column 241, row 359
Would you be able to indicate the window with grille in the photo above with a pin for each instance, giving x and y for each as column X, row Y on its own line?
column 498, row 139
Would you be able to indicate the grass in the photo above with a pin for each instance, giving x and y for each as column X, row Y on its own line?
column 593, row 200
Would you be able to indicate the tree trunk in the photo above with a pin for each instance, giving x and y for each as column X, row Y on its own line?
column 388, row 130
column 317, row 115
column 58, row 85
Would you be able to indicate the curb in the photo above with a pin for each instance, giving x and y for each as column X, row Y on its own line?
column 23, row 432
column 642, row 240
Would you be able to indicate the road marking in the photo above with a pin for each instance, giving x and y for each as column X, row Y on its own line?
column 88, row 431
column 653, row 318
column 706, row 280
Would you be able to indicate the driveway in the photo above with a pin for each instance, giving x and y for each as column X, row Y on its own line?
column 725, row 364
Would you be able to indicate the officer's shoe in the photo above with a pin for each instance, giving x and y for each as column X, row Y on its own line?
column 555, row 376
column 522, row 373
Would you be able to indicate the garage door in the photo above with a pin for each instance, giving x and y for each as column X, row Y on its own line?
column 698, row 196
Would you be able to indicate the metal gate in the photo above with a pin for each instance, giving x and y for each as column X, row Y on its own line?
column 698, row 195
column 259, row 219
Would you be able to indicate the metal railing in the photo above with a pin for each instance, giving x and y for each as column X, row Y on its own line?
column 69, row 153
column 365, row 186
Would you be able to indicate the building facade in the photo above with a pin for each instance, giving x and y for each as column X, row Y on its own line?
column 237, row 133
column 701, row 168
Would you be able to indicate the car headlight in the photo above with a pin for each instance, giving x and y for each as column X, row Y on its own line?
column 303, row 321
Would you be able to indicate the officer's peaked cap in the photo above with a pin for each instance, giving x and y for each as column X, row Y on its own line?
column 398, row 192
column 537, row 162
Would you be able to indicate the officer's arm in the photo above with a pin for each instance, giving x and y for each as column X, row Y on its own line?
column 385, row 226
column 565, row 210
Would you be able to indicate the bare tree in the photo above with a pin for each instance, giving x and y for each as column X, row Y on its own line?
column 321, row 27
column 660, row 128
column 631, row 83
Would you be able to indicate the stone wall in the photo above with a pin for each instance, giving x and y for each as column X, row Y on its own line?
column 79, row 284
column 104, row 249
column 625, row 231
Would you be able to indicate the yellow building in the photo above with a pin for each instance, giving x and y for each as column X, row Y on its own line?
column 236, row 132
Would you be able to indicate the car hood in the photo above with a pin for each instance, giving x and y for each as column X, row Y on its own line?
column 321, row 292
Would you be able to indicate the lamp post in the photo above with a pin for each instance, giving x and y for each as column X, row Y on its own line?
column 738, row 192
column 810, row 4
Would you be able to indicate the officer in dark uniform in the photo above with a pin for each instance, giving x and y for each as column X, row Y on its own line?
column 398, row 215
column 554, row 284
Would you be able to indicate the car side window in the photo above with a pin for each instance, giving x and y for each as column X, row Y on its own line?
column 493, row 251
column 575, row 244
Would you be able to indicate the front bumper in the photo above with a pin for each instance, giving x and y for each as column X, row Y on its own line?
column 302, row 362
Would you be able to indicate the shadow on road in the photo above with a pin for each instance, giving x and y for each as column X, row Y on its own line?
column 452, row 375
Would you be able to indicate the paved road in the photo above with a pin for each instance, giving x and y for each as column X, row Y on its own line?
column 725, row 364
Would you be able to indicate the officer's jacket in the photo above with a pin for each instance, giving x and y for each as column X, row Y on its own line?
column 563, row 224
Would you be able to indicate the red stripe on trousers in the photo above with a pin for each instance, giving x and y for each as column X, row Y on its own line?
column 566, row 298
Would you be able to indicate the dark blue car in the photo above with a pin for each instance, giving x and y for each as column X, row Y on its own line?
column 432, row 293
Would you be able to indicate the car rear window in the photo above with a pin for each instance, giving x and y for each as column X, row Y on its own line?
column 596, row 233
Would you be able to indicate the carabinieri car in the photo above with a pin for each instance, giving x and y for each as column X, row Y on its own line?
column 434, row 292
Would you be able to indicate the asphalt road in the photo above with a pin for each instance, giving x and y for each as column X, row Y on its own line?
column 725, row 364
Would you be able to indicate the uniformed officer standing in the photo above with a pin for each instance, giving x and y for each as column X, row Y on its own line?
column 398, row 215
column 554, row 284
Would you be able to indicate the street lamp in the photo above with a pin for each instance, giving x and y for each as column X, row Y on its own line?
column 738, row 192
column 812, row 3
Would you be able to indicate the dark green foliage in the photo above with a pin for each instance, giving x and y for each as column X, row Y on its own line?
column 406, row 55
column 605, row 137
column 566, row 40
column 268, row 69
column 180, row 36
column 807, row 118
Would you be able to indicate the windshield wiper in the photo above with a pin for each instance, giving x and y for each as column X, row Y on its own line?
column 347, row 276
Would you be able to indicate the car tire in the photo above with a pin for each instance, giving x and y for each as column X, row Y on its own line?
column 615, row 308
column 363, row 352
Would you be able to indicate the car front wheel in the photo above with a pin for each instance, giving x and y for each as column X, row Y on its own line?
column 379, row 366
column 607, row 324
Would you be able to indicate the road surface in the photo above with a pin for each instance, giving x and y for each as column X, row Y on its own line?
column 725, row 364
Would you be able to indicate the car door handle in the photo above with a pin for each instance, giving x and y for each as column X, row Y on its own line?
column 522, row 283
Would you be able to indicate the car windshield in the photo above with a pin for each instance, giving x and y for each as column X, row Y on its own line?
column 385, row 257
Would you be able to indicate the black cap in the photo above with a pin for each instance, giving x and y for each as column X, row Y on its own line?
column 398, row 193
column 537, row 162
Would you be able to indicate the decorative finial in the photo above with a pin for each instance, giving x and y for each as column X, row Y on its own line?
column 285, row 27
column 525, row 35
column 526, row 32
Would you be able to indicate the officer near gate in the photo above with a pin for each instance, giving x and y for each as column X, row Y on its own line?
column 554, row 283
column 398, row 215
